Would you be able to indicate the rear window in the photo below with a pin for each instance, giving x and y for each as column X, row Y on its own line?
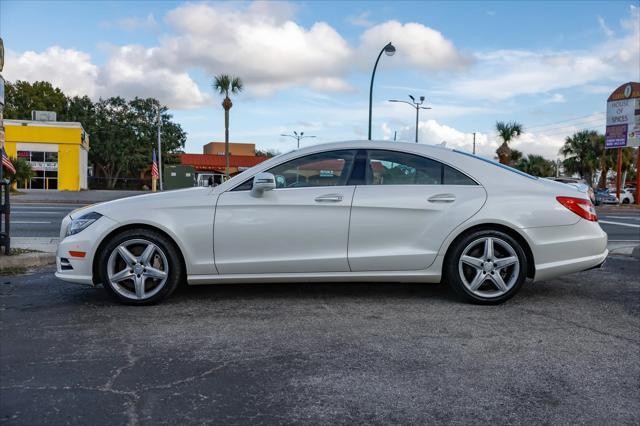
column 495, row 163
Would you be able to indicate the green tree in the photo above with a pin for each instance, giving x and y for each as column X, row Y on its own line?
column 23, row 173
column 507, row 132
column 121, row 133
column 266, row 153
column 125, row 134
column 537, row 165
column 515, row 157
column 23, row 97
column 225, row 84
column 580, row 154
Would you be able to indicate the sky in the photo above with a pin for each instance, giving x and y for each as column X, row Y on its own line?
column 307, row 66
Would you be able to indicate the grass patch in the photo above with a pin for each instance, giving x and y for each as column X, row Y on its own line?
column 19, row 251
column 16, row 270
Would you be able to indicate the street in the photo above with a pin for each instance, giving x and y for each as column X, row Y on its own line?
column 562, row 351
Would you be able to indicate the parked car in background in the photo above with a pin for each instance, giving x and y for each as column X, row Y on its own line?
column 603, row 196
column 626, row 196
column 578, row 182
column 350, row 211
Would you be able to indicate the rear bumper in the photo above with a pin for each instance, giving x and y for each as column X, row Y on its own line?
column 553, row 269
column 560, row 250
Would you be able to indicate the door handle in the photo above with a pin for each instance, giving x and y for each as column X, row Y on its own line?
column 442, row 198
column 329, row 198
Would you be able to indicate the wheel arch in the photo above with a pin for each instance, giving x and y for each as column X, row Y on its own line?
column 94, row 266
column 531, row 266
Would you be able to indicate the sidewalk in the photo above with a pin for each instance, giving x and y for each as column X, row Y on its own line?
column 71, row 197
column 43, row 244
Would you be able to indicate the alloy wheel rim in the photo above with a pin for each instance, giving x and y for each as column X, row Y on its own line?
column 137, row 269
column 489, row 267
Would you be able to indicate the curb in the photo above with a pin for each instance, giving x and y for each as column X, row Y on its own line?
column 27, row 260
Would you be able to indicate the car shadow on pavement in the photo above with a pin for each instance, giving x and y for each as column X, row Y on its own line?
column 289, row 291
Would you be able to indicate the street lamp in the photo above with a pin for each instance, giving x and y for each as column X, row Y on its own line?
column 417, row 105
column 297, row 137
column 389, row 50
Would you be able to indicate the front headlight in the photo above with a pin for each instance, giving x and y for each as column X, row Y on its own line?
column 79, row 223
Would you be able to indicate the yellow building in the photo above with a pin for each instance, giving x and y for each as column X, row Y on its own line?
column 57, row 151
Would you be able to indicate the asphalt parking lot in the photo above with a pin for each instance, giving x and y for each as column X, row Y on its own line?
column 563, row 351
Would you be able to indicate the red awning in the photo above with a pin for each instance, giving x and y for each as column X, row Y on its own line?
column 216, row 162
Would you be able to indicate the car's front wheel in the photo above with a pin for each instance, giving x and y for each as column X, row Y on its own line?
column 140, row 267
column 486, row 267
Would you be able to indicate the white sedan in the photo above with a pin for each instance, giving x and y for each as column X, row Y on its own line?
column 342, row 212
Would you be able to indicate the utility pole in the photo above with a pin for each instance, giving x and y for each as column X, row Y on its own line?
column 474, row 142
column 415, row 104
column 395, row 134
column 159, row 149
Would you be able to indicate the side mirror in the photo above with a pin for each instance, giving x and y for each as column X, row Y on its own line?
column 263, row 182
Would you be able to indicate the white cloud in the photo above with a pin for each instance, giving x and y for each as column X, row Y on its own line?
column 69, row 69
column 264, row 46
column 502, row 74
column 416, row 45
column 128, row 73
column 132, row 23
column 132, row 71
column 604, row 27
column 361, row 20
column 556, row 98
column 434, row 133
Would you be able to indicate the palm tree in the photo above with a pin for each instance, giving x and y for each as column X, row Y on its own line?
column 507, row 132
column 537, row 165
column 580, row 154
column 225, row 84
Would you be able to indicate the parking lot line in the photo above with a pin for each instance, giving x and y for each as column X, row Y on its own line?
column 22, row 222
column 630, row 225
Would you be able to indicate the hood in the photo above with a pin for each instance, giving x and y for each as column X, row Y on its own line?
column 155, row 200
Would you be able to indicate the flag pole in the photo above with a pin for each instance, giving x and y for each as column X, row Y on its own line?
column 154, row 178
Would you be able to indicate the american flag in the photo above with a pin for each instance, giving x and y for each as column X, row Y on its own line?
column 7, row 162
column 154, row 166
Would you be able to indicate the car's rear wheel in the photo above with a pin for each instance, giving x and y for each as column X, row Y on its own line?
column 140, row 267
column 486, row 267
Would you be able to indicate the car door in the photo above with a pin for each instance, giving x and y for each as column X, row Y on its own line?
column 410, row 203
column 301, row 226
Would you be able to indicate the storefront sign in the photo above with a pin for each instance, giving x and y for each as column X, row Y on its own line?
column 43, row 165
column 616, row 136
column 623, row 117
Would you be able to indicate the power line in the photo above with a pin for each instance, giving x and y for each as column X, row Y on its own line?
column 565, row 121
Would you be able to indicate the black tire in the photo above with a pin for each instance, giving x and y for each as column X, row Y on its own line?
column 176, row 273
column 452, row 268
column 625, row 201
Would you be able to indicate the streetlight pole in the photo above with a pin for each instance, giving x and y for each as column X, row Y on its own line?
column 389, row 50
column 415, row 104
column 297, row 137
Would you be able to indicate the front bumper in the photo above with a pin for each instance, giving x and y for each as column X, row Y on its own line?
column 69, row 266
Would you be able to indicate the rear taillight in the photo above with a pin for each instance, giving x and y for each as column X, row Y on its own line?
column 580, row 206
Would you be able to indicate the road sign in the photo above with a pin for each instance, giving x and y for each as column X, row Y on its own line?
column 623, row 117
